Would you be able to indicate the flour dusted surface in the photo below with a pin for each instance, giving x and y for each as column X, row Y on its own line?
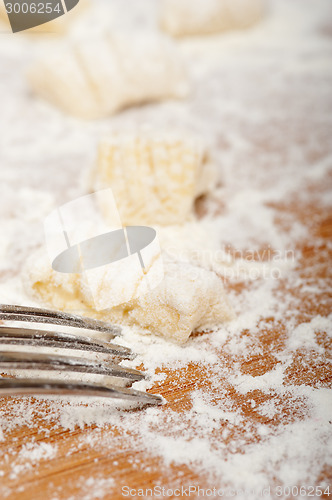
column 249, row 405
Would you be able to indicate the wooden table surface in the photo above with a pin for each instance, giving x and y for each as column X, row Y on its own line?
column 292, row 104
column 66, row 474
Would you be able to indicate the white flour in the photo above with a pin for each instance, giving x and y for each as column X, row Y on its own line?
column 274, row 430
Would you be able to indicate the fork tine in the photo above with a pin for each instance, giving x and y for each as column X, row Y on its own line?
column 34, row 387
column 24, row 361
column 50, row 362
column 38, row 315
column 41, row 338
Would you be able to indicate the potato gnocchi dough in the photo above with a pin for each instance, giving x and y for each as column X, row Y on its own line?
column 189, row 298
column 154, row 178
column 58, row 26
column 95, row 78
column 202, row 17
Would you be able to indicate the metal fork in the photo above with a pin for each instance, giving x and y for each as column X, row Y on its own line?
column 121, row 377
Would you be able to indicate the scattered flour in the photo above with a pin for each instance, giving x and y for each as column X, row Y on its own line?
column 30, row 455
column 238, row 429
column 303, row 336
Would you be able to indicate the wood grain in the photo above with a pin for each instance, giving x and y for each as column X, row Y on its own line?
column 62, row 476
column 291, row 102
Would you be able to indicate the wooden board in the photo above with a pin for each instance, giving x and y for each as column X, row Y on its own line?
column 66, row 475
column 278, row 108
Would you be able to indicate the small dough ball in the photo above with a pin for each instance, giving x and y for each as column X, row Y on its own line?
column 154, row 178
column 96, row 78
column 245, row 13
column 62, row 291
column 189, row 298
column 203, row 17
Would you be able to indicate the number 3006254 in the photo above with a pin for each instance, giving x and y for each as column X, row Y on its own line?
column 33, row 8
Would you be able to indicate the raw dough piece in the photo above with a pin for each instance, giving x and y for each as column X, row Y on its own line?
column 95, row 78
column 189, row 298
column 154, row 179
column 202, row 17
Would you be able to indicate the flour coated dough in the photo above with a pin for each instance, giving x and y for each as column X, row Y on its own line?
column 189, row 298
column 95, row 78
column 154, row 178
column 202, row 17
